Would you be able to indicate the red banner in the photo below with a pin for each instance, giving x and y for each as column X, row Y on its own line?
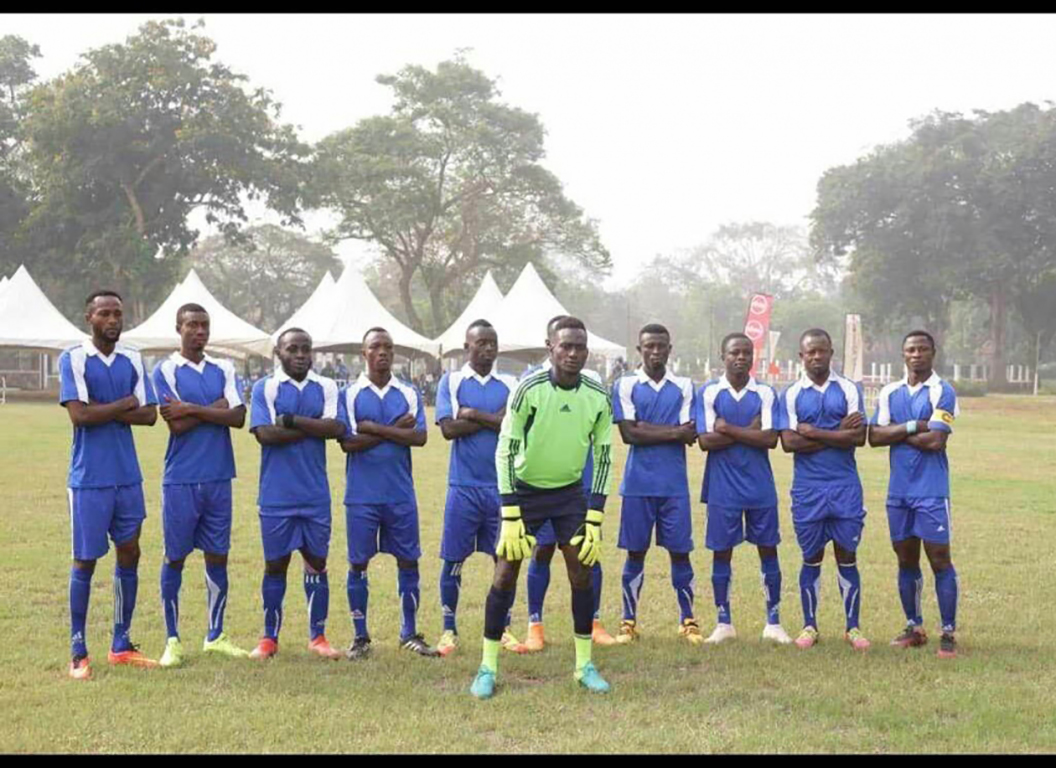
column 757, row 324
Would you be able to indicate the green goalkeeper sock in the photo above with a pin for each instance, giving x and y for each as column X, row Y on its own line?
column 491, row 655
column 583, row 645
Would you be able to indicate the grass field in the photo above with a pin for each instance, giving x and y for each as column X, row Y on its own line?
column 999, row 695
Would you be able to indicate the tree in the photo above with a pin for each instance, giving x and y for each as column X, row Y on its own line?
column 16, row 76
column 448, row 185
column 265, row 278
column 135, row 138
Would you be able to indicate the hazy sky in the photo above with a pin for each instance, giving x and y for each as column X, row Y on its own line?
column 661, row 127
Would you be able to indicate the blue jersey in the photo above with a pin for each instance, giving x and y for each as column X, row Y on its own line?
column 382, row 474
column 473, row 456
column 204, row 454
column 654, row 470
column 739, row 476
column 824, row 407
column 293, row 475
column 916, row 473
column 588, row 468
column 103, row 455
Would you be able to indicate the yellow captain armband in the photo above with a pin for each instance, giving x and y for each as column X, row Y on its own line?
column 944, row 416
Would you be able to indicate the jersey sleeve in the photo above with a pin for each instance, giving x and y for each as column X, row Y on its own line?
column 142, row 387
column 443, row 399
column 777, row 419
column 601, row 436
column 861, row 398
column 882, row 413
column 72, row 385
column 767, row 401
column 232, row 391
column 330, row 398
column 161, row 387
column 343, row 414
column 511, row 442
column 259, row 412
column 420, row 425
column 787, row 406
column 945, row 411
column 618, row 414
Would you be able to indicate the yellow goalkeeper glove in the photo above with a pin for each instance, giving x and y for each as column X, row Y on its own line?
column 514, row 543
column 589, row 541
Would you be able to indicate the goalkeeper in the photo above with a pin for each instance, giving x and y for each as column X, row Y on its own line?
column 543, row 443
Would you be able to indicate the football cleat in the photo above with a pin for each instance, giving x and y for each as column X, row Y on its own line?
column 776, row 633
column 856, row 639
column 360, row 648
column 265, row 649
column 690, row 630
column 535, row 641
column 721, row 633
column 947, row 646
column 628, row 632
column 417, row 644
column 223, row 646
column 173, row 655
column 321, row 647
column 511, row 643
column 130, row 658
column 911, row 637
column 448, row 642
column 808, row 638
column 591, row 679
column 483, row 686
column 80, row 668
column 600, row 636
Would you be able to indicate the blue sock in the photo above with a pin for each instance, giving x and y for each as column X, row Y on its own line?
column 450, row 586
column 273, row 590
column 772, row 588
column 407, row 587
column 910, row 586
column 721, row 572
column 171, row 580
column 538, row 582
column 633, row 578
column 358, row 596
column 216, row 592
column 810, row 592
column 80, row 592
column 126, row 584
column 596, row 582
column 317, row 593
column 946, row 590
column 850, row 590
column 683, row 582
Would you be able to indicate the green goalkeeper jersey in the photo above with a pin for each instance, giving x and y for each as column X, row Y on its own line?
column 546, row 434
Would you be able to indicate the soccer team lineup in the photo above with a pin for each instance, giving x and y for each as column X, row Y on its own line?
column 530, row 476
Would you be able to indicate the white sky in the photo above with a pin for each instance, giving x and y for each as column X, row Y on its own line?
column 661, row 127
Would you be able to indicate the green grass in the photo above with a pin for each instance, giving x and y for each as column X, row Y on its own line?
column 999, row 695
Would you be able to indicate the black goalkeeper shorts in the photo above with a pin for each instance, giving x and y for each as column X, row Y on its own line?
column 564, row 508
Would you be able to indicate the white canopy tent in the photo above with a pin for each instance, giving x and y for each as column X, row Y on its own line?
column 28, row 319
column 484, row 305
column 313, row 316
column 522, row 317
column 229, row 334
column 3, row 284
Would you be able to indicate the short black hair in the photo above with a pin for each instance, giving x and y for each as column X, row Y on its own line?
column 99, row 294
column 192, row 307
column 278, row 341
column 375, row 329
column 654, row 328
column 814, row 333
column 553, row 321
column 925, row 334
column 731, row 336
column 567, row 322
column 482, row 323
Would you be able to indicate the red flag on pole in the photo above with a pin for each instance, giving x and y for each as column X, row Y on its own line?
column 757, row 324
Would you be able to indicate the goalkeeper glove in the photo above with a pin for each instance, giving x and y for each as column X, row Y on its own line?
column 589, row 540
column 514, row 543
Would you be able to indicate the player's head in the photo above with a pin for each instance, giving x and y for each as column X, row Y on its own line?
column 815, row 352
column 294, row 350
column 377, row 350
column 654, row 345
column 103, row 311
column 738, row 354
column 918, row 351
column 568, row 345
column 550, row 327
column 192, row 323
column 481, row 345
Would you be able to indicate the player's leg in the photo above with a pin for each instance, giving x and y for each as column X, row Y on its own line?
column 129, row 513
column 487, row 537
column 762, row 529
column 496, row 607
column 90, row 513
column 399, row 536
column 844, row 528
column 808, row 522
column 213, row 538
column 281, row 536
column 934, row 521
column 579, row 578
column 538, row 581
column 362, row 522
column 179, row 516
column 900, row 520
column 462, row 520
column 317, row 581
column 636, row 533
column 674, row 532
column 724, row 530
column 80, row 592
column 598, row 633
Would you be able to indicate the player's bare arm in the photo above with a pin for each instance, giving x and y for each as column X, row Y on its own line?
column 794, row 442
column 893, row 433
column 323, row 428
column 643, row 433
column 932, row 440
column 182, row 417
column 401, row 432
column 753, row 435
column 851, row 434
column 452, row 429
column 273, row 434
column 91, row 414
column 492, row 421
column 142, row 416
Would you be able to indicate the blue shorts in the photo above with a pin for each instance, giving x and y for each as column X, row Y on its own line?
column 672, row 516
column 388, row 528
column 923, row 518
column 821, row 515
column 97, row 512
column 544, row 534
column 727, row 527
column 196, row 516
column 289, row 529
column 471, row 522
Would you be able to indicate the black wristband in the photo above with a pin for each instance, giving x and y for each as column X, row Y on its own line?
column 287, row 420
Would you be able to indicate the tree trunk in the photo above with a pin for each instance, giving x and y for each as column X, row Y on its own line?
column 998, row 380
column 405, row 298
column 436, row 306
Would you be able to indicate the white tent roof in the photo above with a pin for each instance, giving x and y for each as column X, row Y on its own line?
column 228, row 334
column 351, row 309
column 522, row 317
column 484, row 305
column 3, row 284
column 28, row 319
column 313, row 316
